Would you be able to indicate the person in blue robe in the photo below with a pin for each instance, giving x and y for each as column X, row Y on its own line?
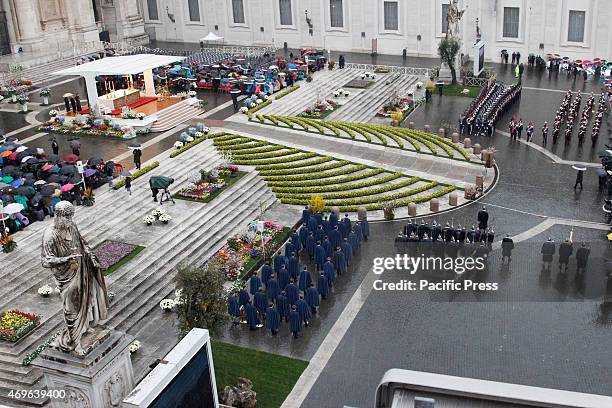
column 251, row 316
column 329, row 249
column 282, row 305
column 354, row 241
column 306, row 215
column 335, row 237
column 312, row 298
column 266, row 273
column 319, row 217
column 320, row 255
column 358, row 231
column 333, row 219
column 278, row 261
column 283, row 277
column 272, row 319
column 312, row 224
column 297, row 242
column 330, row 272
column 260, row 301
column 293, row 266
column 272, row 289
column 339, row 261
column 342, row 229
column 304, row 280
column 289, row 248
column 295, row 324
column 325, row 225
column 320, row 234
column 322, row 285
column 347, row 224
column 303, row 233
column 365, row 229
column 310, row 245
column 233, row 308
column 347, row 250
column 254, row 284
column 243, row 296
column 304, row 310
column 293, row 292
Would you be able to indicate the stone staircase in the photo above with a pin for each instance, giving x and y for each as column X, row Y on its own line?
column 176, row 114
column 197, row 232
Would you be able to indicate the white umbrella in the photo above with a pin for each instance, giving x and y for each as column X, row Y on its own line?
column 68, row 95
column 579, row 167
column 211, row 37
column 21, row 149
column 40, row 151
column 39, row 182
column 13, row 208
column 25, row 159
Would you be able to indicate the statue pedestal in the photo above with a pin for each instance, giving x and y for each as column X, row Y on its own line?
column 445, row 74
column 101, row 378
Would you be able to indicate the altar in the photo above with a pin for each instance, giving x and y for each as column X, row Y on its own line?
column 117, row 99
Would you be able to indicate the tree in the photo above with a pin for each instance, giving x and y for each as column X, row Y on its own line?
column 203, row 300
column 448, row 49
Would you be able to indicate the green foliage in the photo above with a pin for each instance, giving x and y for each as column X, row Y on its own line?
column 287, row 91
column 260, row 106
column 203, row 299
column 448, row 49
column 136, row 174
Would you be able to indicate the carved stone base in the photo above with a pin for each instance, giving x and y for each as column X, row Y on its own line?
column 102, row 378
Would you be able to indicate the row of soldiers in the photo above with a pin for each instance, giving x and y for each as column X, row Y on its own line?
column 566, row 248
column 283, row 292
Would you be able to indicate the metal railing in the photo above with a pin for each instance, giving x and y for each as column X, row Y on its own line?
column 424, row 72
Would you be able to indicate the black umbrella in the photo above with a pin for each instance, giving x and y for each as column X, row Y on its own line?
column 604, row 153
column 55, row 178
column 24, row 191
column 54, row 170
column 68, row 170
column 36, row 198
column 47, row 191
column 53, row 158
column 21, row 155
column 11, row 171
column 31, row 151
column 94, row 161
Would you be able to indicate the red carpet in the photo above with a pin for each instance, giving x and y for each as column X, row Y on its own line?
column 142, row 101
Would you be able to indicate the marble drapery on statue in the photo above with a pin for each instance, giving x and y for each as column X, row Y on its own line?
column 453, row 17
column 78, row 275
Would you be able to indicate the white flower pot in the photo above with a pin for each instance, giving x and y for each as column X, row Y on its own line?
column 45, row 100
column 14, row 98
column 24, row 107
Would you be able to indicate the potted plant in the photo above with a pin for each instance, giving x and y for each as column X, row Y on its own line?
column 44, row 94
column 134, row 346
column 23, row 103
column 8, row 244
column 13, row 92
column 148, row 220
column 165, row 218
column 389, row 210
column 45, row 290
column 166, row 305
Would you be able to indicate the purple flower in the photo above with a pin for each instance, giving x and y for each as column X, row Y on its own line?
column 111, row 252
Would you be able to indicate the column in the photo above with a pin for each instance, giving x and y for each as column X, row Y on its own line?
column 149, row 84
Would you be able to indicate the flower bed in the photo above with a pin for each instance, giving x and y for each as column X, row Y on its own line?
column 242, row 253
column 88, row 128
column 320, row 110
column 113, row 254
column 210, row 186
column 15, row 324
column 135, row 175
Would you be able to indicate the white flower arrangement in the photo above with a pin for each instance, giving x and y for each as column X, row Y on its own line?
column 347, row 93
column 134, row 346
column 465, row 91
column 45, row 290
column 57, row 290
column 178, row 144
column 198, row 134
column 410, row 92
column 140, row 115
column 266, row 97
column 206, row 130
column 373, row 76
column 363, row 76
column 244, row 110
column 192, row 93
column 166, row 305
column 53, row 113
column 336, row 94
column 419, row 85
column 189, row 139
column 178, row 300
column 165, row 218
column 259, row 101
column 157, row 212
column 148, row 219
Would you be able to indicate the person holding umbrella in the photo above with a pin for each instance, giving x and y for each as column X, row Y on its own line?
column 137, row 153
column 581, row 169
column 55, row 145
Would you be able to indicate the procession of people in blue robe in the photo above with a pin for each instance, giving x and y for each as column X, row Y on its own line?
column 284, row 291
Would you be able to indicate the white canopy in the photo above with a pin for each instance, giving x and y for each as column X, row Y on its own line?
column 123, row 65
column 211, row 37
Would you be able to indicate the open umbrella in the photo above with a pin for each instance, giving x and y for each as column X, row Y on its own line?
column 5, row 153
column 67, row 187
column 25, row 159
column 13, row 208
column 47, row 191
column 36, row 198
column 40, row 182
column 126, row 173
column 56, row 178
column 68, row 95
column 134, row 146
column 71, row 158
column 54, row 170
column 90, row 172
column 68, row 170
column 579, row 167
column 17, row 183
column 94, row 161
column 53, row 158
column 40, row 150
column 7, row 179
column 21, row 148
column 47, row 167
column 13, row 156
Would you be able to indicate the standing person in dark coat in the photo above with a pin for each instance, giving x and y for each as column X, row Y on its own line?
column 304, row 280
column 310, row 245
column 507, row 247
column 582, row 257
column 272, row 319
column 327, row 246
column 282, row 305
column 565, row 251
column 283, row 277
column 243, row 296
column 55, row 146
column 306, row 215
column 319, row 256
column 435, row 231
column 341, row 61
column 77, row 101
column 483, row 218
column 354, row 241
column 233, row 308
column 266, row 273
column 322, row 285
column 279, row 260
column 519, row 128
column 251, row 316
column 347, row 250
column 290, row 249
column 330, row 272
column 579, row 177
column 335, row 237
column 365, row 229
column 548, row 251
column 303, row 234
column 137, row 153
column 295, row 324
column 73, row 104
column 67, row 104
column 76, row 147
column 293, row 292
column 260, row 301
column 339, row 261
column 293, row 266
column 272, row 289
column 304, row 310
column 128, row 185
column 545, row 133
column 254, row 284
column 312, row 298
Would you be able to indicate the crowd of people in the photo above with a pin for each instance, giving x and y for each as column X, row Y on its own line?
column 36, row 180
column 566, row 249
column 285, row 290
column 483, row 113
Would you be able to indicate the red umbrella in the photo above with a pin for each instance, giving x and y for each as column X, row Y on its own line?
column 67, row 187
column 586, row 62
column 13, row 156
column 47, row 167
column 71, row 158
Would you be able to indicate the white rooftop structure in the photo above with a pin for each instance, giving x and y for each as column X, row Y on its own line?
column 211, row 37
column 122, row 65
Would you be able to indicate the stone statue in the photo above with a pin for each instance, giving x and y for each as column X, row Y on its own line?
column 452, row 18
column 79, row 277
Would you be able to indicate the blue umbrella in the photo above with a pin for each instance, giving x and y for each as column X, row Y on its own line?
column 579, row 167
column 17, row 183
